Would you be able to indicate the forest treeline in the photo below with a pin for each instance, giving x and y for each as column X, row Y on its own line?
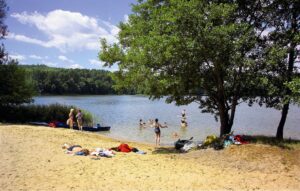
column 58, row 81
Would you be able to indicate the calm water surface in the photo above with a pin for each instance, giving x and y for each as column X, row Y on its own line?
column 122, row 113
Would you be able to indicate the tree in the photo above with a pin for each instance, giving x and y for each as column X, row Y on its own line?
column 288, row 25
column 15, row 87
column 178, row 49
column 283, row 21
column 3, row 30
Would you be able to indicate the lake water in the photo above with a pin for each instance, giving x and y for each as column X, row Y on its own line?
column 122, row 113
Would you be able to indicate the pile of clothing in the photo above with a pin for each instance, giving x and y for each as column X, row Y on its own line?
column 125, row 148
column 185, row 145
column 102, row 153
column 219, row 143
column 234, row 139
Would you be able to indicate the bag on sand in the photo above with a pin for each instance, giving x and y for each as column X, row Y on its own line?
column 180, row 143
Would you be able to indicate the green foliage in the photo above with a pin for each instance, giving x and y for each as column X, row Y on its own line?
column 39, row 113
column 294, row 86
column 179, row 49
column 70, row 81
column 279, row 50
column 15, row 86
column 3, row 27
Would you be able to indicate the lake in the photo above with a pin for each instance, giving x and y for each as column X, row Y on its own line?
column 122, row 113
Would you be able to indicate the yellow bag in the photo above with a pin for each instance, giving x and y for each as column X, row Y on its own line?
column 210, row 139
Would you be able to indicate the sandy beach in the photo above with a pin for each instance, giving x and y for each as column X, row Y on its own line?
column 32, row 159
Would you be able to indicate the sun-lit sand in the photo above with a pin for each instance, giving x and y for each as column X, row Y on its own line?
column 32, row 159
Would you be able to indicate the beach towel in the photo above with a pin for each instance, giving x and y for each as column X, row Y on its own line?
column 83, row 152
column 124, row 148
column 103, row 153
column 240, row 140
column 137, row 151
column 52, row 125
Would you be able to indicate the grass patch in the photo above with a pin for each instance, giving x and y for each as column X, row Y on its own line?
column 260, row 139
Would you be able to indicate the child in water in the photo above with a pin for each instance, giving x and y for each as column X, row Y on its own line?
column 142, row 124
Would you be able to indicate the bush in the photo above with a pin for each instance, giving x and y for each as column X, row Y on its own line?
column 39, row 113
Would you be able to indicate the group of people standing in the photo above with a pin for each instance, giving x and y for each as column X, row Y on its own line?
column 156, row 125
column 79, row 117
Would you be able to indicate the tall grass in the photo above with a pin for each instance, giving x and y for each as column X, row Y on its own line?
column 40, row 113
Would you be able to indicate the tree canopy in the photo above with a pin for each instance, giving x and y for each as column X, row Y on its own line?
column 279, row 47
column 177, row 48
column 60, row 81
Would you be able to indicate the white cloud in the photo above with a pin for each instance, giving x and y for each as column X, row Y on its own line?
column 65, row 59
column 33, row 56
column 100, row 65
column 66, row 31
column 18, row 57
column 95, row 62
column 75, row 66
column 23, row 38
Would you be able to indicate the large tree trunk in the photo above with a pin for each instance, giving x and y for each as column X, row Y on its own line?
column 224, row 118
column 285, row 109
column 233, row 108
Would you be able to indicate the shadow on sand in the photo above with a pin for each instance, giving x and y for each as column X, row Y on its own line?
column 165, row 150
column 284, row 144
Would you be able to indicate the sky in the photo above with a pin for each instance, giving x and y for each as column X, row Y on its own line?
column 63, row 33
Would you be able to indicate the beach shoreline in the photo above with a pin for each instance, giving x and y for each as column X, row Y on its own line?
column 32, row 159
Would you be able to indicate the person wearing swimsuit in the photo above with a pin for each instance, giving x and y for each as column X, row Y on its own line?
column 157, row 127
column 71, row 118
column 79, row 119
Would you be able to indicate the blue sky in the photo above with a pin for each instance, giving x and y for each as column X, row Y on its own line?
column 63, row 33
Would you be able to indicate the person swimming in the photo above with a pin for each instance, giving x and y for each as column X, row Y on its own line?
column 183, row 118
column 175, row 135
column 183, row 123
column 142, row 124
column 183, row 113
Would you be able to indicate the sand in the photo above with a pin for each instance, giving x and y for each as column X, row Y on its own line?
column 32, row 159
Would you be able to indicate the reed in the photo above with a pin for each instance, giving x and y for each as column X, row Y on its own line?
column 40, row 113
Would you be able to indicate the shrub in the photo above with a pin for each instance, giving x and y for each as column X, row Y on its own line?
column 39, row 113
